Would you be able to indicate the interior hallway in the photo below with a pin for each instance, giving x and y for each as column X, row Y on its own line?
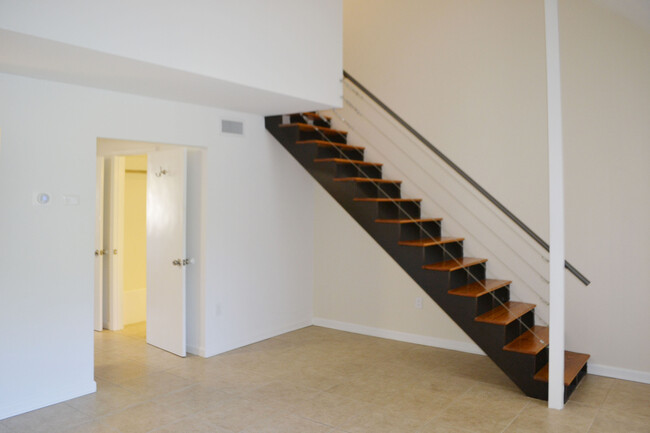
column 321, row 380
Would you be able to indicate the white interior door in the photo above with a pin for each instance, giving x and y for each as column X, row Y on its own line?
column 166, row 254
column 113, row 277
column 99, row 243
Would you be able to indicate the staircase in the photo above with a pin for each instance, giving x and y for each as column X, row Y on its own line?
column 505, row 330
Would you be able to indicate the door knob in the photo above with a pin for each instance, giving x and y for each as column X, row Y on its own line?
column 100, row 252
column 177, row 262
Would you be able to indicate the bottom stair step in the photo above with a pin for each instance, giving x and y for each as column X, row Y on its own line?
column 573, row 363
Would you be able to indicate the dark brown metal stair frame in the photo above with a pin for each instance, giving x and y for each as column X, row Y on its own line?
column 438, row 267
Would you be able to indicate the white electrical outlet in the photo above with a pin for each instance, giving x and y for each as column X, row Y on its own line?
column 418, row 303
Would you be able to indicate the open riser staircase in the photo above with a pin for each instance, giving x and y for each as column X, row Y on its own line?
column 503, row 329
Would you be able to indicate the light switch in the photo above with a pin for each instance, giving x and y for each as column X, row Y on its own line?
column 71, row 200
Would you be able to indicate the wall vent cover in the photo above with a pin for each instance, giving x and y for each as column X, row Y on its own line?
column 232, row 127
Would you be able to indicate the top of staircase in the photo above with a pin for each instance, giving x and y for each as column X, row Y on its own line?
column 408, row 220
column 307, row 127
column 325, row 143
column 313, row 115
column 388, row 199
column 365, row 180
column 349, row 161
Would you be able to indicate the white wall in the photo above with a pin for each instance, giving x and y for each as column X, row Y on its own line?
column 291, row 47
column 487, row 232
column 259, row 248
column 260, row 215
column 134, row 306
column 358, row 287
column 606, row 106
column 471, row 78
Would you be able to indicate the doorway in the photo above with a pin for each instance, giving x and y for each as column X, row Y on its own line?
column 134, row 287
column 149, row 241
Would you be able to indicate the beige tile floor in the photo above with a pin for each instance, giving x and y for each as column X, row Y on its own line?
column 321, row 380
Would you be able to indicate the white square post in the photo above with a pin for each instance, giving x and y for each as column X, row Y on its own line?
column 556, row 208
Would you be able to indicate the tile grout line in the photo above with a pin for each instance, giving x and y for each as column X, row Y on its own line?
column 429, row 421
column 600, row 407
column 290, row 374
column 516, row 416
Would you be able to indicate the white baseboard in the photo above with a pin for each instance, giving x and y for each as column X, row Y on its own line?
column 619, row 373
column 258, row 337
column 424, row 340
column 47, row 397
column 595, row 369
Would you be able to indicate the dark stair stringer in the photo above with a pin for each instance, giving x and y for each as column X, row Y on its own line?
column 456, row 283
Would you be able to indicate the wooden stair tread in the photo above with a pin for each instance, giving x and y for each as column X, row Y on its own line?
column 454, row 265
column 348, row 161
column 474, row 290
column 313, row 115
column 408, row 221
column 427, row 242
column 307, row 127
column 506, row 313
column 365, row 179
column 325, row 143
column 528, row 342
column 387, row 199
column 573, row 363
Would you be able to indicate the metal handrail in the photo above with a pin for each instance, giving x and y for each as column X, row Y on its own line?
column 464, row 175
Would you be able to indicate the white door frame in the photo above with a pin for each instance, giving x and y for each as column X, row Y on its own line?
column 114, row 240
column 99, row 243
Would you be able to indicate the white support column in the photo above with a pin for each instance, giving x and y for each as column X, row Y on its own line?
column 556, row 208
